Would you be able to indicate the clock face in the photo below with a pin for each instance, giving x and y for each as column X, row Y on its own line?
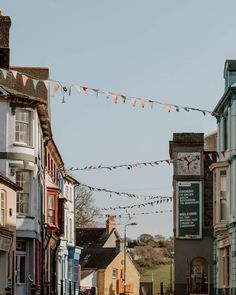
column 188, row 163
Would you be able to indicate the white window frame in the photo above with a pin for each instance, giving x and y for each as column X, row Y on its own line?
column 23, row 197
column 27, row 124
column 218, row 197
column 3, row 207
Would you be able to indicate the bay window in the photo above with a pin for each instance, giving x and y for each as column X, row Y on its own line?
column 22, row 131
column 52, row 207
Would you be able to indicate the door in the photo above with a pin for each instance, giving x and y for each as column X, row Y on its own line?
column 21, row 288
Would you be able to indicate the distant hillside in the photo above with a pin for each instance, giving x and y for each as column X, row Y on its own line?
column 148, row 251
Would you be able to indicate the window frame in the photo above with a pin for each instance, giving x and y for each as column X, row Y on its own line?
column 218, row 196
column 3, row 210
column 27, row 124
column 21, row 195
column 53, row 193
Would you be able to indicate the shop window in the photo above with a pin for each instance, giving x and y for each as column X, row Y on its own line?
column 23, row 196
column 23, row 121
column 199, row 276
column 3, row 207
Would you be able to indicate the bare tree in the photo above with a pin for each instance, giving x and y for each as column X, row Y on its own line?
column 85, row 210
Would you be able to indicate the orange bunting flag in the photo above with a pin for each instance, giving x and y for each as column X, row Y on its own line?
column 24, row 79
column 142, row 103
column 115, row 97
column 133, row 102
column 56, row 86
column 85, row 90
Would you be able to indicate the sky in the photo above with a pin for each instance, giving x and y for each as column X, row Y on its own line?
column 169, row 51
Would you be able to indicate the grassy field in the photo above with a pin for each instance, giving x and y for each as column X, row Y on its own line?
column 157, row 275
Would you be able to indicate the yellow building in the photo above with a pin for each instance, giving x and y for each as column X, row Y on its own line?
column 104, row 269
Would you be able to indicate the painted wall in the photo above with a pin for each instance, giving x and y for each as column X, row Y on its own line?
column 132, row 275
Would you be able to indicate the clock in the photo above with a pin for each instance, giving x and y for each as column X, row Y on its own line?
column 188, row 163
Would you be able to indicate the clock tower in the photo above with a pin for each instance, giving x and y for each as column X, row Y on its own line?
column 193, row 214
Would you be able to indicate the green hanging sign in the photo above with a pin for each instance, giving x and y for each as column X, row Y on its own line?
column 189, row 209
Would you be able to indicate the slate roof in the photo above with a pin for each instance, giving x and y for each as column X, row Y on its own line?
column 97, row 258
column 91, row 237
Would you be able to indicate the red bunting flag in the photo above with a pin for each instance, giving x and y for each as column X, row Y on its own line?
column 223, row 154
column 85, row 90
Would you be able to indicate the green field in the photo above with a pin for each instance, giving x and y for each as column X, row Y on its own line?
column 157, row 275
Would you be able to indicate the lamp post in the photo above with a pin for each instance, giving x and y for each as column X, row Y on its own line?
column 125, row 250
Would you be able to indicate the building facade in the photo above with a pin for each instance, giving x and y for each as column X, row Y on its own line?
column 193, row 214
column 7, row 234
column 224, row 172
column 68, row 252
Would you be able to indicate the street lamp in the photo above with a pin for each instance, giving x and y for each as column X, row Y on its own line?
column 125, row 250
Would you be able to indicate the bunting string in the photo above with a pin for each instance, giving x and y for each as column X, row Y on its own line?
column 147, row 164
column 130, row 195
column 66, row 90
column 152, row 203
column 130, row 215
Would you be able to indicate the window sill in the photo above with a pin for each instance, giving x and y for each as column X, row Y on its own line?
column 23, row 145
column 24, row 216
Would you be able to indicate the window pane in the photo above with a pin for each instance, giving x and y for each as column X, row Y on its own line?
column 223, row 209
column 23, row 126
column 22, row 269
column 51, row 204
column 23, row 180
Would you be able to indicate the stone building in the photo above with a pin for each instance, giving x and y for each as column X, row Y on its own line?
column 193, row 213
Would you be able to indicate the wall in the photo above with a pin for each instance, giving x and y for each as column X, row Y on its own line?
column 132, row 275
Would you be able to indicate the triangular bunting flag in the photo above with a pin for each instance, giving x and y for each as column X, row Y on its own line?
column 223, row 154
column 24, row 79
column 77, row 87
column 142, row 103
column 35, row 83
column 115, row 97
column 4, row 72
column 123, row 98
column 56, row 86
column 14, row 73
column 46, row 83
column 85, row 90
column 210, row 156
column 133, row 102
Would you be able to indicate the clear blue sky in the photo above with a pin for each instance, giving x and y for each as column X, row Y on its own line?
column 172, row 51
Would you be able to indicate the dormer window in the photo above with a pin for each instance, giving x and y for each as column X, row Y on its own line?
column 22, row 133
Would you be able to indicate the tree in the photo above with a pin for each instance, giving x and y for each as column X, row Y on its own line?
column 85, row 210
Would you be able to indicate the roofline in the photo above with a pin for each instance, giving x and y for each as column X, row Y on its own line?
column 4, row 179
column 224, row 98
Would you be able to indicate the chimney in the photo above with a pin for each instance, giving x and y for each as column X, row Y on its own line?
column 119, row 246
column 5, row 24
column 110, row 224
